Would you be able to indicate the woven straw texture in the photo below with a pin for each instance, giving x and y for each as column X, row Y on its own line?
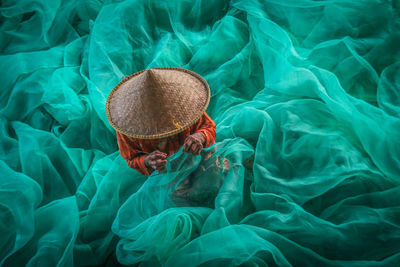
column 157, row 103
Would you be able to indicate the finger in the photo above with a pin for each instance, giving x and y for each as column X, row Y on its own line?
column 196, row 149
column 193, row 144
column 159, row 156
column 152, row 157
column 188, row 143
column 155, row 153
column 185, row 145
column 152, row 164
column 158, row 152
column 160, row 163
column 199, row 149
column 192, row 149
column 164, row 155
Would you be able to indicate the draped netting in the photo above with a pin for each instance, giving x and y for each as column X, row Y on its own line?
column 306, row 98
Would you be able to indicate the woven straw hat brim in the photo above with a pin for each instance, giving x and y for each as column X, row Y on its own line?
column 157, row 103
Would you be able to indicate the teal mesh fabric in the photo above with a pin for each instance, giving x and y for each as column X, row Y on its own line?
column 306, row 166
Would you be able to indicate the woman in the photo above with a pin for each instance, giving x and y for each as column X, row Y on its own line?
column 157, row 111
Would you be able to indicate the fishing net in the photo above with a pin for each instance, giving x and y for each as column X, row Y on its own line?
column 305, row 169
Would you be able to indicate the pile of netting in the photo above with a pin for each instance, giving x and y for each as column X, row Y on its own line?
column 305, row 169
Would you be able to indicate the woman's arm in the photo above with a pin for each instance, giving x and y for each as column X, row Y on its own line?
column 207, row 127
column 131, row 153
column 203, row 136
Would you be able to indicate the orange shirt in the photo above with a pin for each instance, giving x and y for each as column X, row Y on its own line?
column 135, row 150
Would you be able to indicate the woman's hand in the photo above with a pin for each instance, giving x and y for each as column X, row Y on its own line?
column 156, row 160
column 194, row 143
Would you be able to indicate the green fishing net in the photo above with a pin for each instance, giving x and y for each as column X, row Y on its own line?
column 306, row 166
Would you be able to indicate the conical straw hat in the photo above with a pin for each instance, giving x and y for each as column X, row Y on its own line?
column 157, row 103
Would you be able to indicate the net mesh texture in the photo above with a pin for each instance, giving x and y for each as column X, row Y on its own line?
column 306, row 166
